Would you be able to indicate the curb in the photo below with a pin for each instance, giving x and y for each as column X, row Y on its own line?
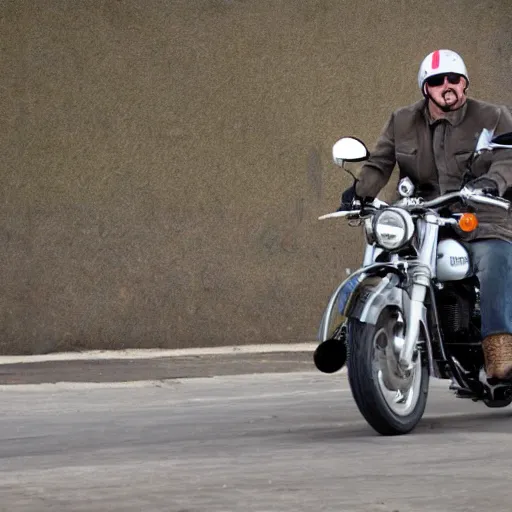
column 158, row 353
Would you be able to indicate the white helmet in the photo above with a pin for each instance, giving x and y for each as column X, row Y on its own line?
column 440, row 62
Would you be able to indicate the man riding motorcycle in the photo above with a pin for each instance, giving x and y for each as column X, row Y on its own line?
column 432, row 141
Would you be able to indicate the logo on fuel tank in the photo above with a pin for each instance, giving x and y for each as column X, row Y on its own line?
column 457, row 261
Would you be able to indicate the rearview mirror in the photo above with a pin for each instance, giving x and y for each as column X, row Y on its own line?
column 349, row 149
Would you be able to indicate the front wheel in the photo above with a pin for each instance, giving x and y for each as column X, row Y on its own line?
column 391, row 402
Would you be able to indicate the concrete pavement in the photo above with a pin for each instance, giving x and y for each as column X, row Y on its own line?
column 267, row 442
column 233, row 430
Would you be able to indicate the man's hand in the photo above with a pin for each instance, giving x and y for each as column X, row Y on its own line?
column 347, row 198
column 484, row 185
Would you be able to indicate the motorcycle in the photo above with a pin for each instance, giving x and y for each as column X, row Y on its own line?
column 412, row 310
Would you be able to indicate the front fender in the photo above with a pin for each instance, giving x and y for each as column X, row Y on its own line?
column 362, row 295
column 372, row 296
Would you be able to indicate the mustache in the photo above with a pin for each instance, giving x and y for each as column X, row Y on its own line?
column 449, row 90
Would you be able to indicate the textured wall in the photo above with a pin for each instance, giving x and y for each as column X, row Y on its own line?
column 163, row 163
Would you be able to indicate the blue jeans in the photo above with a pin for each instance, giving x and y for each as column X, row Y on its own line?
column 492, row 264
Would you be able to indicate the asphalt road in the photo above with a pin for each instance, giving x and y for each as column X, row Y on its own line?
column 265, row 442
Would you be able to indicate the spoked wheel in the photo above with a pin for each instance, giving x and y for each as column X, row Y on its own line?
column 391, row 401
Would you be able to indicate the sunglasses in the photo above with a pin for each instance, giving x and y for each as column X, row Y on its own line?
column 437, row 80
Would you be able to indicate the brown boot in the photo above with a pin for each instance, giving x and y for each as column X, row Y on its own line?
column 498, row 356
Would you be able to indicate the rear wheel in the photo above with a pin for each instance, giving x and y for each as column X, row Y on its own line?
column 391, row 401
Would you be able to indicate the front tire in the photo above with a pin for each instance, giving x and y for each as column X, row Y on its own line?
column 391, row 403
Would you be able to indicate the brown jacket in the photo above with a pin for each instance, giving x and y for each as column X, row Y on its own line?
column 407, row 140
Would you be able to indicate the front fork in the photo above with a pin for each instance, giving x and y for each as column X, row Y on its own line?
column 421, row 276
column 421, row 282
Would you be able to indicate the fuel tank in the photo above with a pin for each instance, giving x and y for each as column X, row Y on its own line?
column 453, row 262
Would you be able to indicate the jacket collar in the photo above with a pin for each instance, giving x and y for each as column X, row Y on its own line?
column 453, row 118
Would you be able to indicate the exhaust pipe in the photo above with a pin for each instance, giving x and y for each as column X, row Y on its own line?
column 330, row 355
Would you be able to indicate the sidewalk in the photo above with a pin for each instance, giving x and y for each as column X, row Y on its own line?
column 144, row 365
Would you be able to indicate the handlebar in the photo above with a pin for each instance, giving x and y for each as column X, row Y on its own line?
column 415, row 204
column 467, row 196
column 441, row 200
column 493, row 201
column 346, row 213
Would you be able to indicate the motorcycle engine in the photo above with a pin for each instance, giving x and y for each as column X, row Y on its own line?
column 458, row 307
column 458, row 311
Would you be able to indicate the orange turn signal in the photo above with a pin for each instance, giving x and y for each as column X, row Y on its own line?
column 468, row 222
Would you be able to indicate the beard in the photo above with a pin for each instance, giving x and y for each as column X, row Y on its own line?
column 451, row 100
column 449, row 95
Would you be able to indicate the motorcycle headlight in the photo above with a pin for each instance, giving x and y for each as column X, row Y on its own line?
column 392, row 228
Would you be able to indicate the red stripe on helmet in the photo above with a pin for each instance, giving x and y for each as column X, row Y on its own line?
column 435, row 59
